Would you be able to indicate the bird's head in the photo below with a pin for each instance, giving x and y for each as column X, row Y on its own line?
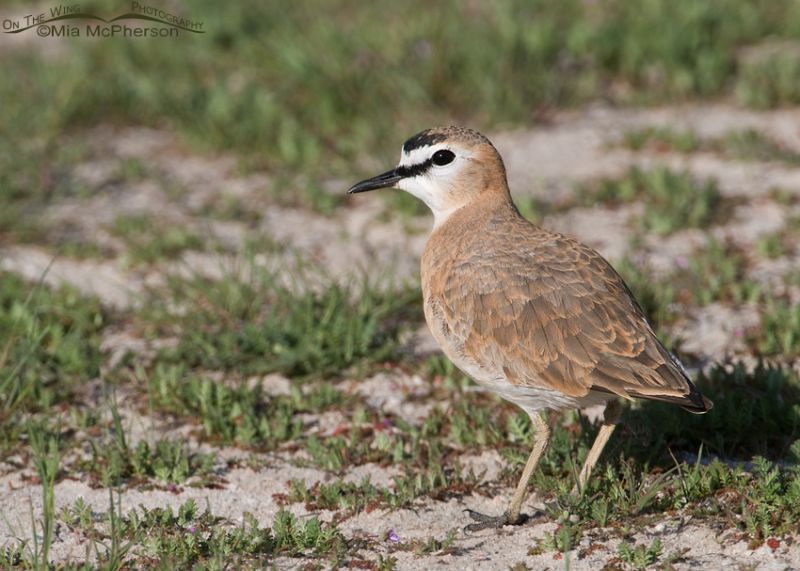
column 446, row 168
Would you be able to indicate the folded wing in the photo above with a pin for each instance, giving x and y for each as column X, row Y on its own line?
column 563, row 319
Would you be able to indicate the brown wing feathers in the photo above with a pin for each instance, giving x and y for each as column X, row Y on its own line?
column 563, row 319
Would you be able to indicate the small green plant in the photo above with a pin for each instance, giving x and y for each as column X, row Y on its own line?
column 235, row 413
column 755, row 413
column 771, row 246
column 780, row 328
column 744, row 144
column 82, row 249
column 640, row 556
column 227, row 206
column 347, row 497
column 770, row 81
column 751, row 145
column 433, row 545
column 532, row 207
column 49, row 342
column 716, row 272
column 437, row 366
column 768, row 502
column 294, row 536
column 313, row 194
column 189, row 538
column 387, row 563
column 116, row 547
column 12, row 557
column 252, row 322
column 655, row 297
column 46, row 458
column 167, row 462
column 661, row 138
column 79, row 514
column 673, row 200
column 149, row 240
column 473, row 426
column 115, row 461
column 564, row 538
column 436, row 482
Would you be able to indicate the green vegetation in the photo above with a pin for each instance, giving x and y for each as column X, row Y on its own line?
column 640, row 556
column 662, row 139
column 626, row 488
column 149, row 240
column 656, row 297
column 254, row 322
column 770, row 80
column 82, row 249
column 237, row 413
column 639, row 481
column 47, row 455
column 764, row 496
column 765, row 397
column 673, row 200
column 426, row 448
column 745, row 144
column 349, row 498
column 716, row 273
column 780, row 329
column 225, row 206
column 168, row 462
column 315, row 105
column 432, row 545
column 534, row 209
column 339, row 495
column 761, row 502
column 356, row 81
column 49, row 345
column 565, row 538
column 159, row 537
column 773, row 246
column 750, row 145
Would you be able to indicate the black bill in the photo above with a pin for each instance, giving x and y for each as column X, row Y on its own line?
column 385, row 180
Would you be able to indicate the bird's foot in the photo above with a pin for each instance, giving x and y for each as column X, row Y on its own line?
column 483, row 521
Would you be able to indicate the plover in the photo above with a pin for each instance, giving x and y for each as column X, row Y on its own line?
column 537, row 317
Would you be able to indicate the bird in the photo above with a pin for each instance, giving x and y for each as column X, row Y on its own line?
column 535, row 316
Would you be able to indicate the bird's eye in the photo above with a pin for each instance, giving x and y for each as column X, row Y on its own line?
column 443, row 157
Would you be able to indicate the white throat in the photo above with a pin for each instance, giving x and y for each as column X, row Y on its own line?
column 430, row 186
column 427, row 190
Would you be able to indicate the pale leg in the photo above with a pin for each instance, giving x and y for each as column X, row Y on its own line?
column 540, row 441
column 610, row 418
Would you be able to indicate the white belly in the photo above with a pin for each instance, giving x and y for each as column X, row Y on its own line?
column 534, row 399
column 531, row 399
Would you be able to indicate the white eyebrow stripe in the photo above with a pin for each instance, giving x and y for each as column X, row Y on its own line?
column 419, row 155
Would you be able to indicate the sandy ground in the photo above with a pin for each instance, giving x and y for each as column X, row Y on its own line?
column 546, row 162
